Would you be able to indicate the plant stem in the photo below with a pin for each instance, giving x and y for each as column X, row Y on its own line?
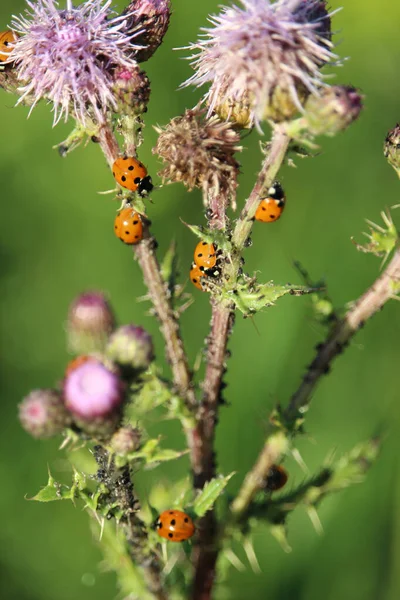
column 158, row 290
column 383, row 289
column 119, row 484
column 276, row 153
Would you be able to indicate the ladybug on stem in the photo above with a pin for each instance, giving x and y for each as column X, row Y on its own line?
column 131, row 174
column 175, row 526
column 270, row 208
column 276, row 478
column 128, row 226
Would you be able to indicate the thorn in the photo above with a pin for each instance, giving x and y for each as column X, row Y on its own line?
column 299, row 459
column 315, row 520
column 251, row 556
column 234, row 560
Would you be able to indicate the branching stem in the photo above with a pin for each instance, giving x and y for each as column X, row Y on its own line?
column 383, row 289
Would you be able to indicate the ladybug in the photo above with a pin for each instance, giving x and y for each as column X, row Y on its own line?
column 205, row 256
column 6, row 37
column 276, row 478
column 175, row 526
column 75, row 363
column 128, row 226
column 195, row 274
column 271, row 208
column 131, row 174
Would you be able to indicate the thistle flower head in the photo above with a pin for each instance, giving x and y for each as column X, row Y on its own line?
column 67, row 56
column 199, row 152
column 264, row 56
column 93, row 394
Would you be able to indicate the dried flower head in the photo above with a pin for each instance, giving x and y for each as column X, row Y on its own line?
column 68, row 56
column 152, row 17
column 266, row 57
column 200, row 152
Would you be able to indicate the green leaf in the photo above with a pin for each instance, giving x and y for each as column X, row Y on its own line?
column 53, row 491
column 250, row 297
column 209, row 494
column 211, row 236
column 151, row 454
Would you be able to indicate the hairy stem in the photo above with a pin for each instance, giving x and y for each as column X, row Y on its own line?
column 119, row 484
column 275, row 155
column 383, row 289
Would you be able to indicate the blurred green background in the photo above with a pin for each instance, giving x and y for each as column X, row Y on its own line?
column 57, row 240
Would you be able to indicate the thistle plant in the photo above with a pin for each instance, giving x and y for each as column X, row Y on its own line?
column 261, row 67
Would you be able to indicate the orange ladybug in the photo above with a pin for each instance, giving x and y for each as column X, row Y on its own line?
column 128, row 226
column 131, row 174
column 271, row 208
column 75, row 363
column 175, row 526
column 205, row 255
column 276, row 478
column 195, row 274
column 7, row 37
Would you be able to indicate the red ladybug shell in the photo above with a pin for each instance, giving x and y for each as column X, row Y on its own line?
column 276, row 478
column 75, row 363
column 128, row 226
column 175, row 526
column 205, row 255
column 7, row 37
column 271, row 208
column 131, row 174
column 195, row 274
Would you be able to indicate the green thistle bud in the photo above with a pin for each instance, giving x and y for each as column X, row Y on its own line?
column 43, row 414
column 132, row 90
column 90, row 322
column 333, row 110
column 391, row 148
column 132, row 347
column 125, row 440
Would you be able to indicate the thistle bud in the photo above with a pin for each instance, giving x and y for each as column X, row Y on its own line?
column 132, row 347
column 391, row 148
column 125, row 440
column 132, row 90
column 90, row 322
column 93, row 394
column 42, row 413
column 150, row 18
column 333, row 110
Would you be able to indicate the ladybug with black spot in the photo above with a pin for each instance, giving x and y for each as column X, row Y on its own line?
column 7, row 39
column 128, row 226
column 132, row 175
column 276, row 478
column 205, row 255
column 175, row 526
column 270, row 208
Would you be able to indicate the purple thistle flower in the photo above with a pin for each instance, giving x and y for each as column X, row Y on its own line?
column 67, row 56
column 93, row 392
column 264, row 57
